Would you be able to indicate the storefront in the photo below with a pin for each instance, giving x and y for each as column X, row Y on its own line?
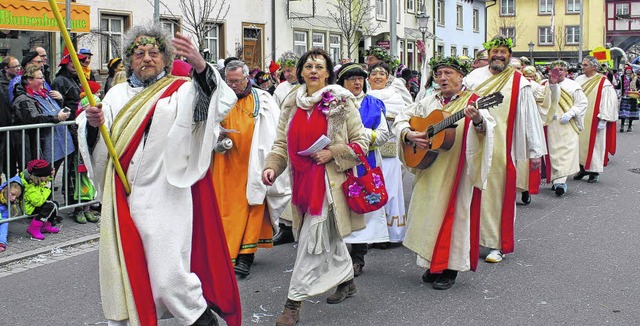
column 28, row 24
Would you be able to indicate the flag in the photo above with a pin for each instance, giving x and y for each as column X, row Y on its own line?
column 553, row 24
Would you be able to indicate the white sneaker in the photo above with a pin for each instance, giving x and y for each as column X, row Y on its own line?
column 495, row 256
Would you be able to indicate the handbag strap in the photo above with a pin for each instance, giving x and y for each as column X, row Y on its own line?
column 358, row 150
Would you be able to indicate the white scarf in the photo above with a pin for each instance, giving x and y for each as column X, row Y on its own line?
column 307, row 102
column 392, row 100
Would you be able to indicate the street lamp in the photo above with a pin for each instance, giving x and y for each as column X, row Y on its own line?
column 423, row 26
column 531, row 44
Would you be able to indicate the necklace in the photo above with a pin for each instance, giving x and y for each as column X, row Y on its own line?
column 256, row 105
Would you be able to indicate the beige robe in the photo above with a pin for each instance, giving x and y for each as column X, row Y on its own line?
column 433, row 185
column 608, row 111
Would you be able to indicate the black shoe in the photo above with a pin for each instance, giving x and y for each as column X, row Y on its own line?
column 560, row 189
column 621, row 129
column 593, row 178
column 629, row 129
column 526, row 198
column 357, row 270
column 381, row 245
column 445, row 280
column 427, row 277
column 580, row 175
column 284, row 235
column 243, row 265
column 206, row 319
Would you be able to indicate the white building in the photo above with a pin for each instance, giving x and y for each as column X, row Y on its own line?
column 460, row 27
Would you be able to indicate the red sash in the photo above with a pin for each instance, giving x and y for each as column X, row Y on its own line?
column 442, row 248
column 210, row 259
column 594, row 124
column 547, row 159
column 611, row 141
column 508, row 205
column 534, row 179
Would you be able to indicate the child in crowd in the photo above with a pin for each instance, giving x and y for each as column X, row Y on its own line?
column 9, row 193
column 36, row 180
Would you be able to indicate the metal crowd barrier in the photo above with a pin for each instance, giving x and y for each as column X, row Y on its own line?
column 8, row 135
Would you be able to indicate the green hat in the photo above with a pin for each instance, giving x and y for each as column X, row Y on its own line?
column 288, row 59
column 498, row 41
column 453, row 62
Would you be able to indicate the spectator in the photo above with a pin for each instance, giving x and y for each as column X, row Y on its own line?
column 36, row 181
column 35, row 105
column 264, row 82
column 412, row 85
column 42, row 54
column 9, row 68
column 8, row 197
column 15, row 87
column 86, row 63
column 114, row 66
column 67, row 83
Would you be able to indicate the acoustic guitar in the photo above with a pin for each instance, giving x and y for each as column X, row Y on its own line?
column 441, row 130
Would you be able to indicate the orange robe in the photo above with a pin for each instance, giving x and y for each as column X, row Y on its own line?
column 247, row 227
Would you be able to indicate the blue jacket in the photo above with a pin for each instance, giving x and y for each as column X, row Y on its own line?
column 3, row 207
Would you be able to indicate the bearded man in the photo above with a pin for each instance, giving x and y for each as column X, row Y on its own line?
column 163, row 250
column 518, row 136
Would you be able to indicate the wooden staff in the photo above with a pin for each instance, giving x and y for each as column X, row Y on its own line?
column 87, row 90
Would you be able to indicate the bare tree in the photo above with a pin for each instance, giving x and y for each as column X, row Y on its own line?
column 199, row 17
column 503, row 25
column 354, row 19
column 560, row 40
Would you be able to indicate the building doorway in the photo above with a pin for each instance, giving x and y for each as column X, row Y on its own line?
column 253, row 45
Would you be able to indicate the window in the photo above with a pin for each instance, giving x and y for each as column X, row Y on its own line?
column 573, row 6
column 299, row 42
column 465, row 51
column 335, row 43
column 212, row 40
column 509, row 32
column 112, row 29
column 171, row 25
column 545, row 7
column 459, row 17
column 401, row 50
column 507, row 7
column 622, row 9
column 476, row 20
column 421, row 7
column 440, row 12
column 398, row 10
column 381, row 9
column 572, row 35
column 317, row 40
column 454, row 50
column 410, row 55
column 440, row 51
column 545, row 35
column 411, row 6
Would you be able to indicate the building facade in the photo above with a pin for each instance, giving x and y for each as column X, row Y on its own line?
column 623, row 23
column 550, row 27
column 460, row 27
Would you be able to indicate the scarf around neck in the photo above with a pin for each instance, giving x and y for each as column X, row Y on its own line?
column 135, row 82
column 307, row 102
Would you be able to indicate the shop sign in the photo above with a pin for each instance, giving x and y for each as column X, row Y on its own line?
column 384, row 44
column 37, row 16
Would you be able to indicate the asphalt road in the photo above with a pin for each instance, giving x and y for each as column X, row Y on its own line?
column 576, row 263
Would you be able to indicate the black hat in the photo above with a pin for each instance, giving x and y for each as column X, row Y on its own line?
column 349, row 70
column 28, row 57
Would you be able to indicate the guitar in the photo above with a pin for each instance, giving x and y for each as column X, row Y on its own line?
column 434, row 124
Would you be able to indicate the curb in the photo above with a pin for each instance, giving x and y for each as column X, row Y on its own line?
column 43, row 250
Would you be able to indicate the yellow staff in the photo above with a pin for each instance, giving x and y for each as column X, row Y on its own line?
column 87, row 90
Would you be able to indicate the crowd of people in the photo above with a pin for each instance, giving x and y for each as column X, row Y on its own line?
column 221, row 159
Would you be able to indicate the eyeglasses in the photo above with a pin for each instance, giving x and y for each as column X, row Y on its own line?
column 235, row 81
column 153, row 53
column 15, row 67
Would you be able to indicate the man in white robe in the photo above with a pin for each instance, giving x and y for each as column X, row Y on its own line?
column 162, row 247
column 563, row 116
column 288, row 62
column 601, row 116
column 442, row 229
column 518, row 136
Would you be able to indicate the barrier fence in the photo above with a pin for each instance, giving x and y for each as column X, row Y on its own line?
column 17, row 149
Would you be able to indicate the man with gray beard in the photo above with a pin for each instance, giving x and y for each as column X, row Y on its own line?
column 518, row 136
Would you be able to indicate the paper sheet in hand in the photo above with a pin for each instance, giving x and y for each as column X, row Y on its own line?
column 321, row 143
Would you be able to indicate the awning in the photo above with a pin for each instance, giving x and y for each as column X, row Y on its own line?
column 37, row 16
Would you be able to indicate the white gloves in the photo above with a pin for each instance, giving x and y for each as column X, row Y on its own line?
column 566, row 117
column 602, row 124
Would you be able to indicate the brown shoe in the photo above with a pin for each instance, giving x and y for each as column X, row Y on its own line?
column 343, row 291
column 290, row 314
column 357, row 270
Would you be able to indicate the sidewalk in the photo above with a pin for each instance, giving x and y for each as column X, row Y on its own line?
column 20, row 245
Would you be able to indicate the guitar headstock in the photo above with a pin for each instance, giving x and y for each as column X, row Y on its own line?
column 489, row 101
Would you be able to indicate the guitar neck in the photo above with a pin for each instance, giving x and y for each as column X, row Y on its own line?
column 438, row 127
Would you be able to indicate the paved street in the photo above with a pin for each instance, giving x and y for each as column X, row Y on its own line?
column 576, row 263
